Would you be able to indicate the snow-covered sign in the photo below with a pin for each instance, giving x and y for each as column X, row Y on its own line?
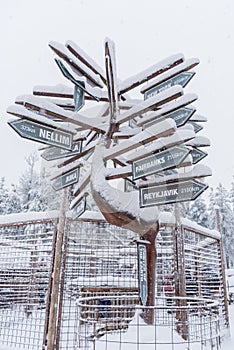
column 197, row 155
column 66, row 180
column 180, row 79
column 158, row 162
column 179, row 75
column 181, row 116
column 79, row 208
column 171, row 193
column 43, row 134
column 53, row 153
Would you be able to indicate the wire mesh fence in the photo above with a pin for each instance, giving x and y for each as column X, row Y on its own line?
column 25, row 265
column 99, row 263
column 120, row 324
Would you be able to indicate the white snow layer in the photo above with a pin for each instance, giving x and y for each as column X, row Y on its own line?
column 28, row 216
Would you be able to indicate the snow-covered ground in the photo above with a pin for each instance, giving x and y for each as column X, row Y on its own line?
column 227, row 344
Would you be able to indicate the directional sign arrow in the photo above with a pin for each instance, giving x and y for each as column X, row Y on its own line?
column 171, row 193
column 157, row 162
column 66, row 180
column 180, row 79
column 40, row 133
column 196, row 127
column 79, row 208
column 57, row 153
column 142, row 273
column 181, row 116
column 197, row 155
column 78, row 97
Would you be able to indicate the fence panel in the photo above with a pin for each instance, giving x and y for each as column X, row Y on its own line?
column 25, row 265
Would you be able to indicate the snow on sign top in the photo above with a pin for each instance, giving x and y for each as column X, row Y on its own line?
column 108, row 139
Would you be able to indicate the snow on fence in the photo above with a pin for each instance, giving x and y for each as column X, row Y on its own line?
column 99, row 262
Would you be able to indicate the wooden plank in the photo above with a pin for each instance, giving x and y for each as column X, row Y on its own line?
column 198, row 118
column 199, row 141
column 152, row 103
column 198, row 171
column 111, row 87
column 150, row 73
column 76, row 65
column 179, row 137
column 86, row 150
column 84, row 181
column 51, row 110
column 120, row 173
column 161, row 129
column 170, row 107
column 64, row 91
column 183, row 67
column 64, row 170
column 85, row 59
column 22, row 112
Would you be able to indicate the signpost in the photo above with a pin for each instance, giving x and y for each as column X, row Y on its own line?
column 79, row 208
column 142, row 272
column 57, row 153
column 180, row 79
column 66, row 180
column 44, row 134
column 162, row 144
column 158, row 162
column 171, row 193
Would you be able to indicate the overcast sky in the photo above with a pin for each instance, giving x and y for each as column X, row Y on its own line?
column 144, row 33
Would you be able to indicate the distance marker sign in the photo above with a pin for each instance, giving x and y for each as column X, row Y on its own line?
column 57, row 153
column 142, row 272
column 180, row 79
column 65, row 180
column 158, row 162
column 171, row 193
column 44, row 134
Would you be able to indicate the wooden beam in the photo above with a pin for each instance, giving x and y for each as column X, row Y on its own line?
column 152, row 103
column 150, row 73
column 161, row 129
column 75, row 64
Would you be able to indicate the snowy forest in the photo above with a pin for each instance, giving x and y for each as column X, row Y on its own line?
column 34, row 193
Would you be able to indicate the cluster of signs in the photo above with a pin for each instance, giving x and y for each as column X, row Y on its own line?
column 62, row 144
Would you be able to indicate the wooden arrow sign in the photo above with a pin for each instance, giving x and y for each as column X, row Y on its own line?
column 181, row 116
column 79, row 208
column 161, row 129
column 171, row 193
column 196, row 127
column 180, row 79
column 142, row 272
column 179, row 75
column 57, row 153
column 150, row 73
column 197, row 155
column 77, row 66
column 44, row 134
column 66, row 180
column 157, row 162
column 170, row 107
column 150, row 104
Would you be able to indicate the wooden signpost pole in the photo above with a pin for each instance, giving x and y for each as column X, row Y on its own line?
column 52, row 324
